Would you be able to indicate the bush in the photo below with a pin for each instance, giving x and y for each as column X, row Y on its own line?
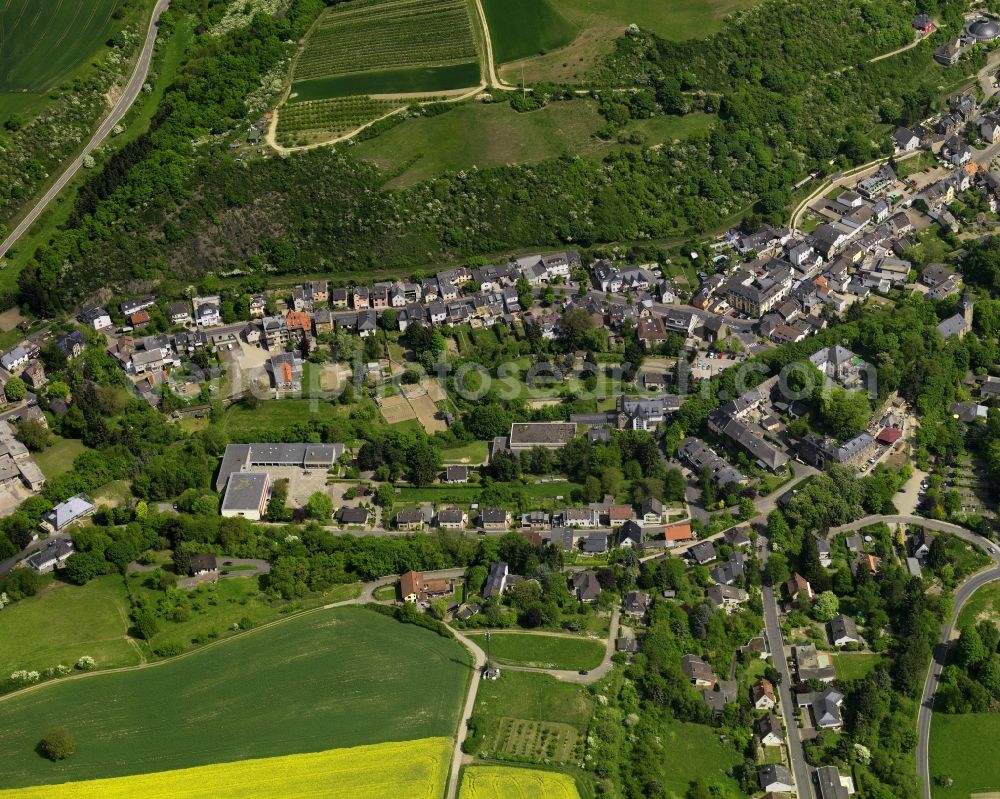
column 57, row 744
column 169, row 650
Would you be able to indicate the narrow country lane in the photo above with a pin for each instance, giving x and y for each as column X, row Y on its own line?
column 115, row 116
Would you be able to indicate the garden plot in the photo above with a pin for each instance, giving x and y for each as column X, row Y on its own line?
column 397, row 409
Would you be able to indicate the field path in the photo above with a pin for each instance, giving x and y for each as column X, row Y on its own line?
column 115, row 116
column 479, row 662
column 492, row 79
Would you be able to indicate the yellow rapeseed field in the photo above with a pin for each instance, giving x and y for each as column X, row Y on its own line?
column 498, row 782
column 414, row 769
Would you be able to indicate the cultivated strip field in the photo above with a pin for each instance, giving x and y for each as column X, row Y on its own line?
column 416, row 769
column 334, row 115
column 387, row 46
column 331, row 678
column 42, row 40
column 499, row 782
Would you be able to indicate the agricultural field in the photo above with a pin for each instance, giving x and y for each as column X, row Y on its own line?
column 523, row 713
column 477, row 135
column 387, row 46
column 320, row 680
column 544, row 651
column 76, row 620
column 591, row 27
column 963, row 748
column 42, row 41
column 331, row 117
column 418, row 769
column 504, row 782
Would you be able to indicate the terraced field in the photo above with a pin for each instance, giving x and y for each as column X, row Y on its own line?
column 419, row 44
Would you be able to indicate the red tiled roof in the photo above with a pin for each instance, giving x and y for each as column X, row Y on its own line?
column 678, row 532
column 889, row 435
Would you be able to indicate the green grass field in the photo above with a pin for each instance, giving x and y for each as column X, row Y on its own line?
column 984, row 602
column 59, row 457
column 335, row 678
column 543, row 651
column 854, row 666
column 522, row 28
column 272, row 414
column 64, row 622
column 469, row 493
column 963, row 747
column 43, row 40
column 473, row 452
column 426, row 80
column 480, row 135
column 595, row 24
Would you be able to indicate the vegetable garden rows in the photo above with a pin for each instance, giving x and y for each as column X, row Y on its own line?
column 380, row 35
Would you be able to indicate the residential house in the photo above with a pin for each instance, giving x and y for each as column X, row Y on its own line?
column 180, row 313
column 71, row 344
column 410, row 519
column 843, row 630
column 698, row 671
column 810, row 664
column 34, row 375
column 730, row 571
column 207, row 311
column 775, row 778
column 494, row 519
column 496, row 580
column 53, row 557
column 726, row 597
column 456, row 474
column 286, row 374
column 15, row 359
column 96, row 317
column 414, row 587
column 703, row 552
column 204, row 564
column 680, row 533
column 452, row 519
column 578, row 517
column 651, row 511
column 799, row 585
column 630, row 536
column 636, row 604
column 769, row 730
column 352, row 516
column 585, row 585
column 830, row 785
column 762, row 695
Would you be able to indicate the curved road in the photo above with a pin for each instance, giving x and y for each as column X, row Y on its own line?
column 104, row 129
column 962, row 594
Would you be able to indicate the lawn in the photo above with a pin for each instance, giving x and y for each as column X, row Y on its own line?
column 596, row 24
column 854, row 666
column 544, row 651
column 691, row 751
column 418, row 769
column 473, row 452
column 504, row 782
column 963, row 747
column 321, row 680
column 469, row 493
column 474, row 134
column 64, row 622
column 44, row 40
column 58, row 458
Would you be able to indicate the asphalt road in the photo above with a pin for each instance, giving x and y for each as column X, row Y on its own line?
column 103, row 131
column 772, row 626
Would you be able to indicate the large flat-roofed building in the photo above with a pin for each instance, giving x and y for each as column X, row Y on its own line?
column 246, row 495
column 250, row 457
column 551, row 435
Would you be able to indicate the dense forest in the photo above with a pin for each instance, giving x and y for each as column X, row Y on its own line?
column 790, row 83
